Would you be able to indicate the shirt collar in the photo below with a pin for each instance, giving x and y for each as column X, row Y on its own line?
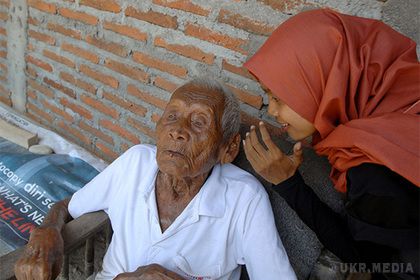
column 212, row 196
column 210, row 200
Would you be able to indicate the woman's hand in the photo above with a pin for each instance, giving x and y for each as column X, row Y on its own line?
column 271, row 163
column 149, row 272
column 43, row 255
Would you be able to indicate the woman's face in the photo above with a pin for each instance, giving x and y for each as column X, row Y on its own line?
column 297, row 127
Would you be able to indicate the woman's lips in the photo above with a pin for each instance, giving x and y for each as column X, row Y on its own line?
column 284, row 127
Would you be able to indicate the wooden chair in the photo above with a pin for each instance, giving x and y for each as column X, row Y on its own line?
column 75, row 234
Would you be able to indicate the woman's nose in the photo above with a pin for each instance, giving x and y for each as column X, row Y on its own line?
column 272, row 109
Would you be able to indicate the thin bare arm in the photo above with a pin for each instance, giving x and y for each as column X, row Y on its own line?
column 43, row 255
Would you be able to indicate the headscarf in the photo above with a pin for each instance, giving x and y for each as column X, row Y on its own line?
column 357, row 80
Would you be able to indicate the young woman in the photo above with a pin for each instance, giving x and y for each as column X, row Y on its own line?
column 353, row 84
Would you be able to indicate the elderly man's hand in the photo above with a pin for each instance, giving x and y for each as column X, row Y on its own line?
column 271, row 163
column 149, row 272
column 43, row 255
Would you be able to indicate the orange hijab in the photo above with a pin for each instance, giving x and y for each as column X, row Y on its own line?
column 357, row 80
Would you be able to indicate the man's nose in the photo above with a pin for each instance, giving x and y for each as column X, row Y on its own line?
column 179, row 134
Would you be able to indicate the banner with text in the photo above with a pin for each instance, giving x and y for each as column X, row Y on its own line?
column 30, row 184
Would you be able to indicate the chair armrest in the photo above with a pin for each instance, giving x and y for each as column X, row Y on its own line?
column 74, row 233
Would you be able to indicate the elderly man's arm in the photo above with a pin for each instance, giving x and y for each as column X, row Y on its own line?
column 263, row 251
column 43, row 255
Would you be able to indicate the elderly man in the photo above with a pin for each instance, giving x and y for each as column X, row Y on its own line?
column 179, row 210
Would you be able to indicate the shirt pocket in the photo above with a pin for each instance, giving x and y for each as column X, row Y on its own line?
column 202, row 273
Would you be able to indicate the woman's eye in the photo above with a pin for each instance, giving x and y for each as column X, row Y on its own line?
column 171, row 117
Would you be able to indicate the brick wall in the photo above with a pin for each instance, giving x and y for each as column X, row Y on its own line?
column 4, row 92
column 100, row 72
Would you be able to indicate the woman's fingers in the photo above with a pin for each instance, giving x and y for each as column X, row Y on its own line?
column 251, row 154
column 255, row 143
column 297, row 156
column 267, row 139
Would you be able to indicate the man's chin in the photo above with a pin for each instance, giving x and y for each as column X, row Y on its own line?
column 171, row 168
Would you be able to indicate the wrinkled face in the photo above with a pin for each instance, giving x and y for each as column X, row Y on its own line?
column 189, row 133
column 297, row 127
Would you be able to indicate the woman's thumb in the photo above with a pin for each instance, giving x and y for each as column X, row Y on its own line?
column 298, row 153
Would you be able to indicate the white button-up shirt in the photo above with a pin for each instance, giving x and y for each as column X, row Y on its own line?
column 228, row 223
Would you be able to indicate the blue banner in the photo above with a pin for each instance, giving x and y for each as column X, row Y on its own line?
column 30, row 184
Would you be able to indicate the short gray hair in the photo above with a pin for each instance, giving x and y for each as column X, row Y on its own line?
column 231, row 119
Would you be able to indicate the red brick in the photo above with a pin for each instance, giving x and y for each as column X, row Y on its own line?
column 116, row 128
column 141, row 127
column 284, row 5
column 42, row 37
column 161, row 65
column 31, row 94
column 59, row 58
column 152, row 17
column 42, row 6
column 30, row 47
column 3, row 78
column 33, row 117
column 3, row 44
column 76, row 108
column 42, row 89
column 96, row 132
column 78, row 83
column 211, row 36
column 33, row 21
column 104, row 5
column 110, row 155
column 97, row 105
column 3, row 54
column 108, row 46
column 132, row 107
column 79, row 16
column 4, row 16
column 65, row 31
column 127, row 70
column 39, row 63
column 245, row 23
column 40, row 113
column 155, row 117
column 246, row 97
column 165, row 84
column 60, row 87
column 74, row 133
column 3, row 31
column 242, row 71
column 6, row 101
column 124, row 147
column 80, row 52
column 57, row 111
column 96, row 75
column 3, row 91
column 126, row 30
column 5, row 3
column 132, row 90
column 31, row 72
column 184, row 5
column 3, row 67
column 185, row 50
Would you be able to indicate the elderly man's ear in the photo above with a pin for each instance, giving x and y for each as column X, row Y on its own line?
column 230, row 150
